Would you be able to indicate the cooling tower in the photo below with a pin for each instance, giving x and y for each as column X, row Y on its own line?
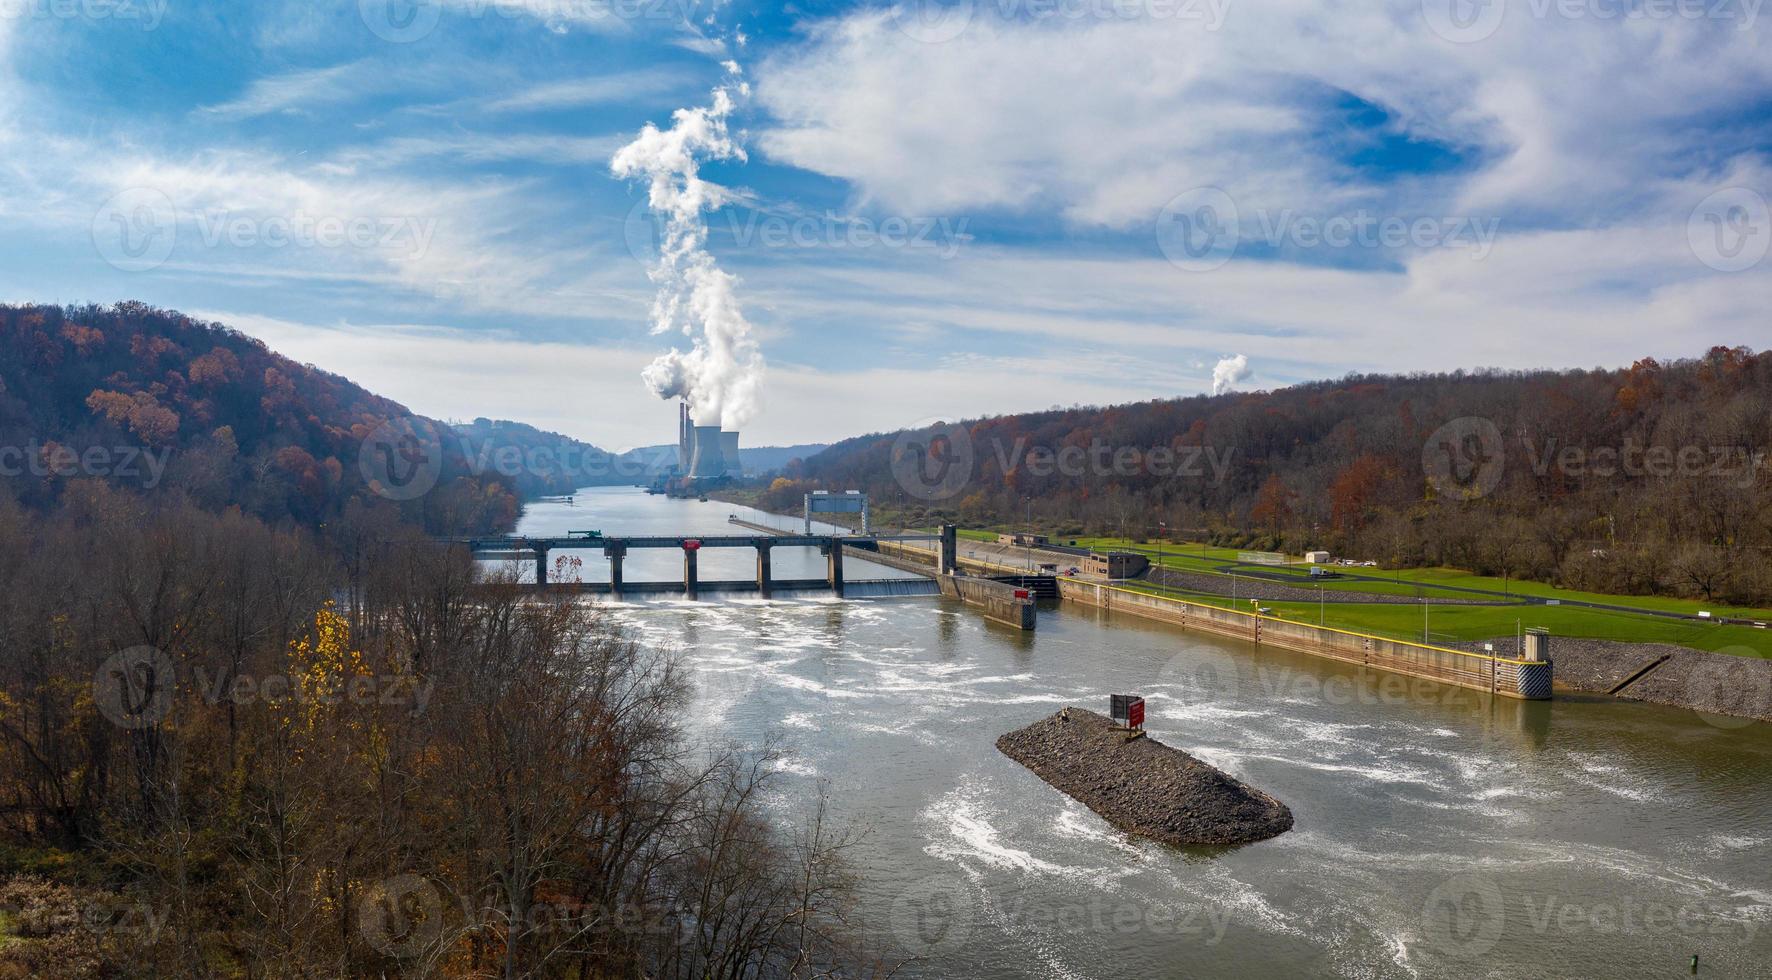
column 706, row 460
column 729, row 453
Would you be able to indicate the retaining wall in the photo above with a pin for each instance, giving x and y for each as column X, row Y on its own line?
column 997, row 600
column 923, row 560
column 1528, row 679
column 890, row 560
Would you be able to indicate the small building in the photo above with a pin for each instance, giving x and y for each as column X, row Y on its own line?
column 1023, row 540
column 1116, row 564
column 1317, row 557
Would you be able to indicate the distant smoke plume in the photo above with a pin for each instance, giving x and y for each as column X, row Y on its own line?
column 1230, row 371
column 722, row 371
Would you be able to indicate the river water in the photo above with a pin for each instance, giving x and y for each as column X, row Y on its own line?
column 1440, row 832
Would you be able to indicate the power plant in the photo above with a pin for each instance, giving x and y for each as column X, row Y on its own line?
column 707, row 457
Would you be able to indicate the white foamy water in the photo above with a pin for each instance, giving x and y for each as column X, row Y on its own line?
column 896, row 706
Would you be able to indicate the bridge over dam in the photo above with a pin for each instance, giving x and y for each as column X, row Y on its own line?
column 1001, row 600
column 1006, row 603
column 615, row 549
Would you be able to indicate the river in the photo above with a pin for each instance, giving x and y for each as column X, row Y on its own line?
column 1440, row 832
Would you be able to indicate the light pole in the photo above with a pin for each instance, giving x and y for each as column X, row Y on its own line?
column 1322, row 619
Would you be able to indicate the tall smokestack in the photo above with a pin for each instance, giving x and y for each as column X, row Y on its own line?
column 683, row 438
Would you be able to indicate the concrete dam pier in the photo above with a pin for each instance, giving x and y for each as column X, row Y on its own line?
column 1001, row 602
column 616, row 549
column 1007, row 603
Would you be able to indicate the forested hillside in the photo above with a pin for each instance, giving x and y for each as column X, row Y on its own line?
column 540, row 463
column 255, row 722
column 1651, row 479
column 157, row 403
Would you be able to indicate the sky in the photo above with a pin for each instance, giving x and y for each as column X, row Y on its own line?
column 937, row 209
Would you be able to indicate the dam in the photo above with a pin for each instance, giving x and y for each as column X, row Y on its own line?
column 1415, row 802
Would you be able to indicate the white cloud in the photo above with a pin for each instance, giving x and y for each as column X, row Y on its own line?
column 1104, row 120
column 1064, row 329
column 465, row 241
column 478, row 148
column 1540, row 299
column 595, row 90
column 594, row 392
column 296, row 90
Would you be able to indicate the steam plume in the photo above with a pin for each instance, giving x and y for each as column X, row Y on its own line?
column 722, row 371
column 1229, row 371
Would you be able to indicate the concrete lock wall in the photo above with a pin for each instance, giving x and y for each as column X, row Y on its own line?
column 1516, row 678
column 891, row 559
column 997, row 599
column 1480, row 671
column 925, row 560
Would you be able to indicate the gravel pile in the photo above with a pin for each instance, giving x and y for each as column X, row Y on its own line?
column 1716, row 683
column 1589, row 666
column 1144, row 787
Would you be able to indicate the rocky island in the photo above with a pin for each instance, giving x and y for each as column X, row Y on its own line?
column 1142, row 786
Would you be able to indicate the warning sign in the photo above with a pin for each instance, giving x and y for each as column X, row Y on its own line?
column 1127, row 709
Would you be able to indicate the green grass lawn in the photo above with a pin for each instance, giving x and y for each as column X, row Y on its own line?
column 1454, row 623
column 1430, row 582
column 1450, row 623
column 965, row 534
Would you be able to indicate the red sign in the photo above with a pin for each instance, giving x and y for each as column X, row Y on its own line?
column 1135, row 714
column 692, row 545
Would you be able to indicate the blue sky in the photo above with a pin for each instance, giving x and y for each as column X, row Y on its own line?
column 954, row 209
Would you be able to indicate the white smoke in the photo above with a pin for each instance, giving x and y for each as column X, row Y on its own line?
column 1229, row 371
column 722, row 372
